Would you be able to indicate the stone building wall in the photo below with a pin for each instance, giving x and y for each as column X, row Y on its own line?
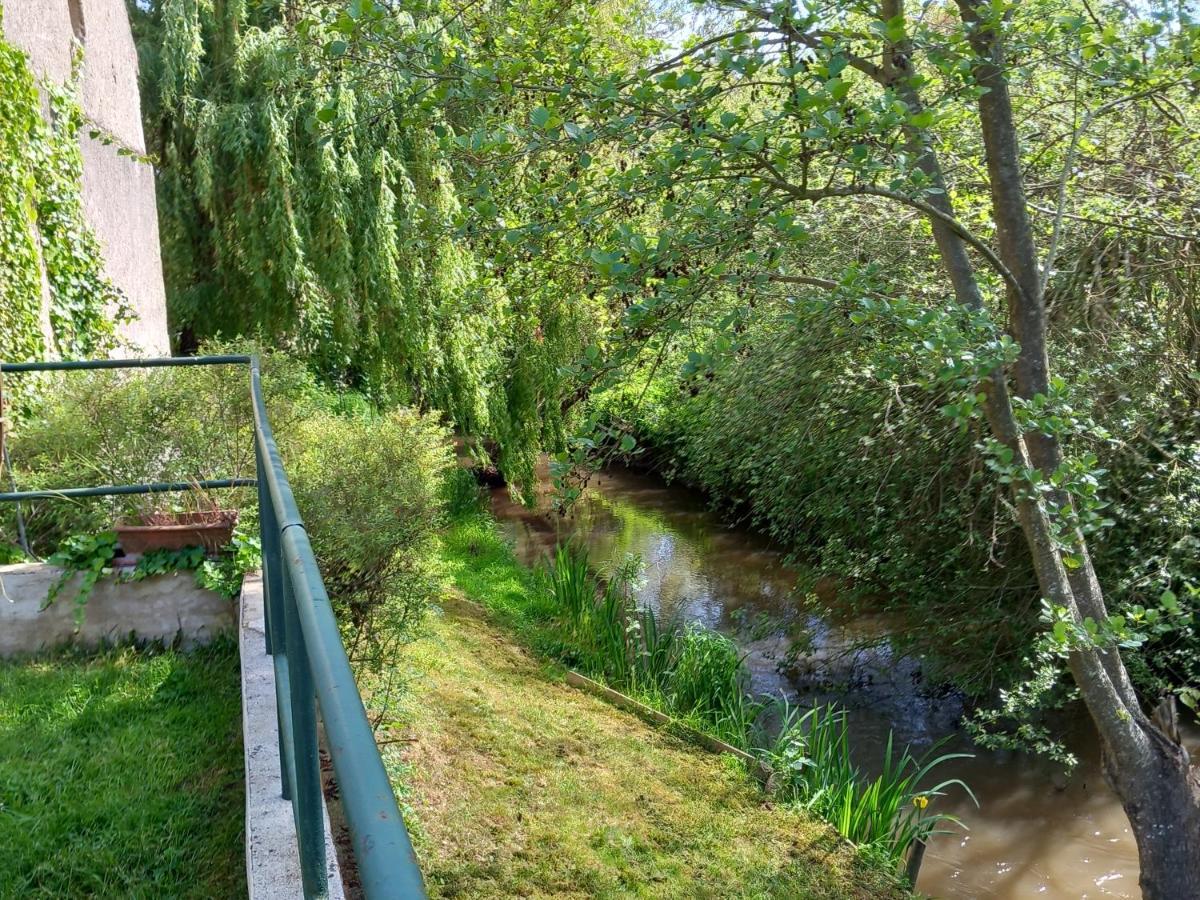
column 118, row 190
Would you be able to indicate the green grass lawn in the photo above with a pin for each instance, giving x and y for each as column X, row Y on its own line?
column 517, row 785
column 121, row 775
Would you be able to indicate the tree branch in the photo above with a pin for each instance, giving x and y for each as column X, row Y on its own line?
column 812, row 41
column 1068, row 164
column 816, row 195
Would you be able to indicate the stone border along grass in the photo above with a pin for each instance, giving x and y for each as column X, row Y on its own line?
column 762, row 772
column 169, row 609
column 272, row 854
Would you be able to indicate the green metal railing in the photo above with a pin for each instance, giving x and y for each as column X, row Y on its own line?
column 309, row 659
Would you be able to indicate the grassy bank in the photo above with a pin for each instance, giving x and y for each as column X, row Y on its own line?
column 519, row 785
column 121, row 775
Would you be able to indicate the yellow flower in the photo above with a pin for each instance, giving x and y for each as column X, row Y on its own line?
column 920, row 801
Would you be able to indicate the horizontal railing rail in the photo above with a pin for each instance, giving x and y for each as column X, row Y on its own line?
column 117, row 490
column 312, row 671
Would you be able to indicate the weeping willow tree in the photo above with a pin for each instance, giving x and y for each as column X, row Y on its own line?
column 305, row 198
column 308, row 208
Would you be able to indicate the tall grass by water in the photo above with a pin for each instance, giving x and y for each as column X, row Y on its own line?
column 811, row 758
column 699, row 674
column 691, row 671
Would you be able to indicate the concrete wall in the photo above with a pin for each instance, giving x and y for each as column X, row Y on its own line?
column 157, row 609
column 118, row 191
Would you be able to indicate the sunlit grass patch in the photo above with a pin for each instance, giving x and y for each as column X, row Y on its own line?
column 121, row 775
column 593, row 624
column 516, row 784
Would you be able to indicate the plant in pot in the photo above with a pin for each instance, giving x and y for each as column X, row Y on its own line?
column 195, row 518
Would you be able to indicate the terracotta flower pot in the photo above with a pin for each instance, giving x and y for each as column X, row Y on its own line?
column 210, row 529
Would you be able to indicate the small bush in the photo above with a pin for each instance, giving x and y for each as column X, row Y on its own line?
column 370, row 492
column 143, row 425
column 461, row 493
column 371, row 488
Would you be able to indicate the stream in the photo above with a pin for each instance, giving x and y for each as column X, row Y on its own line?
column 1034, row 834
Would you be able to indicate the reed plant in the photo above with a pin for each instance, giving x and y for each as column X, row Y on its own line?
column 811, row 758
column 657, row 649
column 693, row 672
column 709, row 682
column 700, row 675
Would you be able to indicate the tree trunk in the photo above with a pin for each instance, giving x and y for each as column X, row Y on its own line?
column 1150, row 772
column 1164, row 815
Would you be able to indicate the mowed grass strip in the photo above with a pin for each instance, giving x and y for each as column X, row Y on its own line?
column 121, row 775
column 518, row 785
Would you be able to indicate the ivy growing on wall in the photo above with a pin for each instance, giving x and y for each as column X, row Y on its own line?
column 46, row 248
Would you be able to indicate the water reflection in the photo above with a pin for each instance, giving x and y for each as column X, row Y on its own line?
column 1034, row 835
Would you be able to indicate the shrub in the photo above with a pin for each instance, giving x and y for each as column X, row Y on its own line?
column 369, row 490
column 143, row 425
column 829, row 439
column 461, row 493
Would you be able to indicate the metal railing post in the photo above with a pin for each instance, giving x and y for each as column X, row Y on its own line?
column 283, row 713
column 306, row 799
column 268, row 535
column 274, row 575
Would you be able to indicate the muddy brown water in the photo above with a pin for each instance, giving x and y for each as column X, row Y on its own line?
column 1034, row 834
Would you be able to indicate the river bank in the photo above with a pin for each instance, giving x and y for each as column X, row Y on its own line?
column 519, row 785
column 1035, row 832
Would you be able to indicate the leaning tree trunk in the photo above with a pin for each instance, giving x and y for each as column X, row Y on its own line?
column 1163, row 806
column 1147, row 767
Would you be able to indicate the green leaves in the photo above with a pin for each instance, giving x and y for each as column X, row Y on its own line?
column 923, row 119
column 343, row 244
column 1128, row 630
column 43, row 229
column 893, row 29
column 88, row 555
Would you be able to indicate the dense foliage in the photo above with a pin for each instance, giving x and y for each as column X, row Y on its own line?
column 369, row 486
column 889, row 498
column 754, row 210
column 331, row 242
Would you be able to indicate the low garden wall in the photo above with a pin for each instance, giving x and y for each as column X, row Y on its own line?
column 161, row 608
